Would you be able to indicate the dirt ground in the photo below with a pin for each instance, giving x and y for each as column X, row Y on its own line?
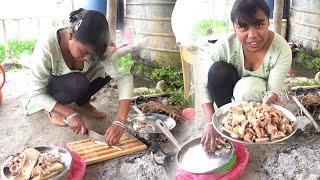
column 17, row 129
column 297, row 158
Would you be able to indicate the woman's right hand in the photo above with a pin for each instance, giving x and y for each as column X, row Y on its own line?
column 208, row 139
column 77, row 125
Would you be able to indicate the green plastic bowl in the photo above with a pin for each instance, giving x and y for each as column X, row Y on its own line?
column 228, row 166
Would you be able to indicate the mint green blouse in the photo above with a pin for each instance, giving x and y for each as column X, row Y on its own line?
column 47, row 60
column 274, row 68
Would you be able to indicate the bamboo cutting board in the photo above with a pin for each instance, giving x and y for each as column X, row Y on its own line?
column 94, row 153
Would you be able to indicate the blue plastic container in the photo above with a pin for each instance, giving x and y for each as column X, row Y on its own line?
column 270, row 4
column 97, row 5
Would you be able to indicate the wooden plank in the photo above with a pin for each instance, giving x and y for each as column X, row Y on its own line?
column 186, row 75
column 94, row 153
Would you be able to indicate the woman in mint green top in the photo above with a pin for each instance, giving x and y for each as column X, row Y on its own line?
column 243, row 66
column 71, row 64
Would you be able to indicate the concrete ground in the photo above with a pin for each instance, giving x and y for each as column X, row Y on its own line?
column 296, row 158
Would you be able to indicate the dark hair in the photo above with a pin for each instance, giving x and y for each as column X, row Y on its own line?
column 243, row 11
column 90, row 27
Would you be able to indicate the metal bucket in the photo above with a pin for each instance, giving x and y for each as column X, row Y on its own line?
column 152, row 19
column 305, row 23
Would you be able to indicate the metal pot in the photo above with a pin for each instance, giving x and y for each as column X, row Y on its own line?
column 192, row 158
column 65, row 159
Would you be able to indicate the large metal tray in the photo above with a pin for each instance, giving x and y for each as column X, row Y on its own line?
column 65, row 159
column 223, row 110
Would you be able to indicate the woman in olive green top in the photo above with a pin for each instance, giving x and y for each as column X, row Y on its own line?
column 247, row 64
column 70, row 65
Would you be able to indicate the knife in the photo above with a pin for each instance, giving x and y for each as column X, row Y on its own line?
column 101, row 138
column 97, row 136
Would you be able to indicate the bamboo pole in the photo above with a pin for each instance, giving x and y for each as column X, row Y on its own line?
column 6, row 46
column 112, row 18
column 277, row 16
column 72, row 5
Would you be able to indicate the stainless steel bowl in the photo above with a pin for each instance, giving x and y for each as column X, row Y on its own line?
column 65, row 159
column 192, row 158
column 223, row 111
column 151, row 119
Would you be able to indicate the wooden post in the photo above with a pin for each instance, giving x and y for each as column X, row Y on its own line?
column 72, row 5
column 38, row 26
column 19, row 29
column 277, row 16
column 112, row 18
column 6, row 46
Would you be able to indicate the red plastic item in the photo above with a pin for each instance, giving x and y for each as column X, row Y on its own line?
column 234, row 173
column 188, row 114
column 78, row 167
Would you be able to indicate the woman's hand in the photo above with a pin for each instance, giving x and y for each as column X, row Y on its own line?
column 113, row 134
column 77, row 125
column 111, row 48
column 208, row 139
column 271, row 98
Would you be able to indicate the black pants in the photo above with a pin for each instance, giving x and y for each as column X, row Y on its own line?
column 222, row 77
column 74, row 87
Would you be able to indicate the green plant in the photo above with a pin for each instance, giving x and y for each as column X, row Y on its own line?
column 310, row 59
column 2, row 53
column 203, row 28
column 176, row 97
column 208, row 27
column 141, row 70
column 172, row 77
column 315, row 63
column 16, row 47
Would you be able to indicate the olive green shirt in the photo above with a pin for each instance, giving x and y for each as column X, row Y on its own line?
column 47, row 60
column 274, row 68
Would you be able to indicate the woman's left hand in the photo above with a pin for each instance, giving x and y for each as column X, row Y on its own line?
column 271, row 98
column 113, row 134
column 111, row 48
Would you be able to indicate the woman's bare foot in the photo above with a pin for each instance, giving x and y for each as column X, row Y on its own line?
column 91, row 111
column 55, row 118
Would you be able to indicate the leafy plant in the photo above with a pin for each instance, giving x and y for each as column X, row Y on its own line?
column 203, row 28
column 208, row 27
column 142, row 70
column 2, row 53
column 310, row 59
column 172, row 77
column 17, row 47
column 176, row 98
column 315, row 63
